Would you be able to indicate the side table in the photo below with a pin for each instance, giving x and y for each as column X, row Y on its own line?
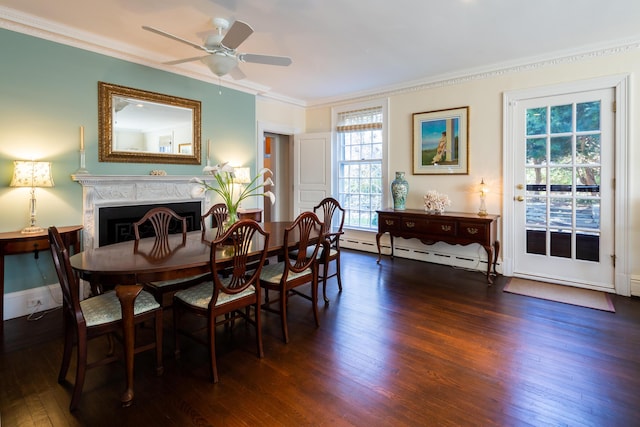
column 254, row 214
column 14, row 242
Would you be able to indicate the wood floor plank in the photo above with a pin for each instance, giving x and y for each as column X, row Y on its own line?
column 405, row 344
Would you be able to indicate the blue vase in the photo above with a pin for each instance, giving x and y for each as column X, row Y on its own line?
column 399, row 191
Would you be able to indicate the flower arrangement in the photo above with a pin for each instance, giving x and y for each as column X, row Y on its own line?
column 232, row 192
column 435, row 202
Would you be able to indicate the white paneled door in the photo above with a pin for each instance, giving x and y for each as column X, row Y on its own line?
column 312, row 170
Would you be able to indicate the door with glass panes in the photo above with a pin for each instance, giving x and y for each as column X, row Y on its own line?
column 564, row 219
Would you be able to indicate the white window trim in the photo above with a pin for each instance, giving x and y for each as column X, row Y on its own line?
column 335, row 111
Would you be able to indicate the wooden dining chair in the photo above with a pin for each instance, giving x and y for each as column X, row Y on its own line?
column 231, row 297
column 162, row 220
column 112, row 312
column 218, row 214
column 295, row 270
column 332, row 213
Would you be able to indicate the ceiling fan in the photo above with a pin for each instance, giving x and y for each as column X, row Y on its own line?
column 222, row 57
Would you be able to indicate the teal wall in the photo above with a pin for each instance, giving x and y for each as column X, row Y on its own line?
column 49, row 90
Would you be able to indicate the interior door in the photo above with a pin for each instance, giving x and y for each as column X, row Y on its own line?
column 311, row 170
column 564, row 196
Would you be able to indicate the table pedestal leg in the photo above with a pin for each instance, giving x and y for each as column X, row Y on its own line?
column 127, row 295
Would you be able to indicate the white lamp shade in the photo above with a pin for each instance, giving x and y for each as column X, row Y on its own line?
column 242, row 175
column 31, row 174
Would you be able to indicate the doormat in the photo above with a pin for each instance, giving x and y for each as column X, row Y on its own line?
column 560, row 293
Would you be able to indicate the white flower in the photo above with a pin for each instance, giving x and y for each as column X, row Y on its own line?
column 272, row 197
column 197, row 191
column 230, row 191
column 208, row 170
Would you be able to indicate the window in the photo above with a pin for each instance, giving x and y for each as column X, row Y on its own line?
column 360, row 163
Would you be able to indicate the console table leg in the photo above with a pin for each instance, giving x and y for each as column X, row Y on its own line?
column 490, row 257
column 378, row 244
column 496, row 244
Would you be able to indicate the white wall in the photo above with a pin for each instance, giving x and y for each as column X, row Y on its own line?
column 483, row 94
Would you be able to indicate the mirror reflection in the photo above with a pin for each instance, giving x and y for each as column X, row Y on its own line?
column 147, row 127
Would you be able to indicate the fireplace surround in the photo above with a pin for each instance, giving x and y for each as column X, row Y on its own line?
column 109, row 191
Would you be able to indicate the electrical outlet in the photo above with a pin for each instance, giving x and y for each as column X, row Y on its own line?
column 34, row 303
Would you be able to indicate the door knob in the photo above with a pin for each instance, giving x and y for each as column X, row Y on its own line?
column 520, row 198
column 520, row 187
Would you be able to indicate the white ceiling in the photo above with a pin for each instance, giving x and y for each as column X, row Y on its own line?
column 340, row 48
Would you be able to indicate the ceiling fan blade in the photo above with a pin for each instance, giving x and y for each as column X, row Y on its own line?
column 265, row 59
column 176, row 38
column 180, row 61
column 238, row 33
column 237, row 74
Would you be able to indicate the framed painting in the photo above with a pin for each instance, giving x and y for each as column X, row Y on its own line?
column 441, row 142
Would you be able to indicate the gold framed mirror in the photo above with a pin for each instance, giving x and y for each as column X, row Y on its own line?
column 137, row 126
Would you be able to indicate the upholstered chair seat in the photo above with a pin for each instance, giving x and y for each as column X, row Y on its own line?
column 106, row 308
column 200, row 295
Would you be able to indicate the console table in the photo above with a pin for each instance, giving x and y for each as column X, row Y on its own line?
column 15, row 242
column 456, row 228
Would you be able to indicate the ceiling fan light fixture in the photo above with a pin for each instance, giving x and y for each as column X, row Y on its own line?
column 220, row 64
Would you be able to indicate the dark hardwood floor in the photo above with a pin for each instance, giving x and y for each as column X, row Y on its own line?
column 405, row 343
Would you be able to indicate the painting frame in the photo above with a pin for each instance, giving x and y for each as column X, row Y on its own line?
column 441, row 142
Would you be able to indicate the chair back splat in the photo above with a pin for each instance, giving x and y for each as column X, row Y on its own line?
column 160, row 218
column 218, row 214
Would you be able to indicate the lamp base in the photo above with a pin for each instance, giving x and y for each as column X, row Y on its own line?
column 32, row 229
column 482, row 213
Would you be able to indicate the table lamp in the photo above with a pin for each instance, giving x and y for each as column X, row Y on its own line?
column 483, row 194
column 242, row 177
column 31, row 174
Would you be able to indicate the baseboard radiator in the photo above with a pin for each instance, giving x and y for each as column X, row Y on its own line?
column 472, row 257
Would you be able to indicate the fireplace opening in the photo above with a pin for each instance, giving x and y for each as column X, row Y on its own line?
column 115, row 223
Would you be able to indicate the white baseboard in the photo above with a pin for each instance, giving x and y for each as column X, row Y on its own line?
column 16, row 303
column 634, row 283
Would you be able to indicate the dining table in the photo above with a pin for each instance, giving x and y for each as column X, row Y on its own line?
column 130, row 263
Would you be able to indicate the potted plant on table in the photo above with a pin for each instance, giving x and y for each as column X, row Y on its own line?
column 232, row 192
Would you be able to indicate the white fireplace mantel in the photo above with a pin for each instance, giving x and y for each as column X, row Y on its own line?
column 122, row 190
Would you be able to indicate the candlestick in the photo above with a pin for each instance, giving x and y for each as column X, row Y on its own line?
column 81, row 138
column 82, row 169
column 208, row 148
